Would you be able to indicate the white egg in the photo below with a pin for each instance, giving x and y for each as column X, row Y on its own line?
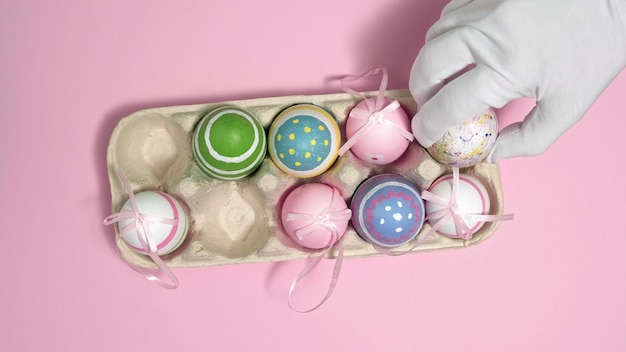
column 472, row 198
column 156, row 206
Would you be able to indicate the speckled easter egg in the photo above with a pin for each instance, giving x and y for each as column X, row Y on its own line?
column 472, row 198
column 303, row 140
column 468, row 143
column 387, row 210
column 312, row 212
column 156, row 205
column 369, row 147
column 229, row 143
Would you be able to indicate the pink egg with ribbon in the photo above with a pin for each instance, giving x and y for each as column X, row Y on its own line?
column 315, row 215
column 470, row 203
column 164, row 220
column 378, row 134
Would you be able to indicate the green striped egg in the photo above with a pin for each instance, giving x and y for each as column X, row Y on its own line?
column 229, row 143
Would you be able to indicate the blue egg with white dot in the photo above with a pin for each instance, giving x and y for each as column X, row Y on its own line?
column 387, row 210
column 304, row 140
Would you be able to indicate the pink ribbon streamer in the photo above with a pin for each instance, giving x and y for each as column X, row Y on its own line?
column 450, row 211
column 326, row 220
column 141, row 225
column 375, row 113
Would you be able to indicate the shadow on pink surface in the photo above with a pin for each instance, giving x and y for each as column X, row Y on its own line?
column 394, row 37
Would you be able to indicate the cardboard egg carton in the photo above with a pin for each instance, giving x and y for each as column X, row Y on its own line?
column 238, row 221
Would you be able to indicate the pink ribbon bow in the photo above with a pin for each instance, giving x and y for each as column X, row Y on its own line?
column 141, row 225
column 326, row 220
column 375, row 113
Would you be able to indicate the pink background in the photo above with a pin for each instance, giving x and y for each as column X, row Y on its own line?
column 553, row 279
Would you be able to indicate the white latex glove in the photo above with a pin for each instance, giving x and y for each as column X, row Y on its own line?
column 562, row 53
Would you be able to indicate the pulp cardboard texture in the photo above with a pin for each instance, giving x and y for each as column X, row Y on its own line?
column 238, row 221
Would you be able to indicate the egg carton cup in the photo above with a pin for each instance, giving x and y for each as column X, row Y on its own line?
column 239, row 221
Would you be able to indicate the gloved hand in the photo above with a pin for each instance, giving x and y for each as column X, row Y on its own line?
column 562, row 53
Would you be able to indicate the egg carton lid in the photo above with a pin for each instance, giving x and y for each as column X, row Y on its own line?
column 346, row 174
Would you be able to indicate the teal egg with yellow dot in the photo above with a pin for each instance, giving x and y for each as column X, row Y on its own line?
column 303, row 140
column 229, row 143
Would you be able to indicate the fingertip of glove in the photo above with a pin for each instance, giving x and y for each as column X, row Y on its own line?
column 419, row 133
column 491, row 159
column 505, row 147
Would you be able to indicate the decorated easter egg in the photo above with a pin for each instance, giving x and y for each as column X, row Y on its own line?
column 229, row 143
column 387, row 210
column 472, row 198
column 303, row 140
column 468, row 143
column 380, row 141
column 315, row 215
column 165, row 220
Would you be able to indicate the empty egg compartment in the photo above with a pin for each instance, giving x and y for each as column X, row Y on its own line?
column 238, row 221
